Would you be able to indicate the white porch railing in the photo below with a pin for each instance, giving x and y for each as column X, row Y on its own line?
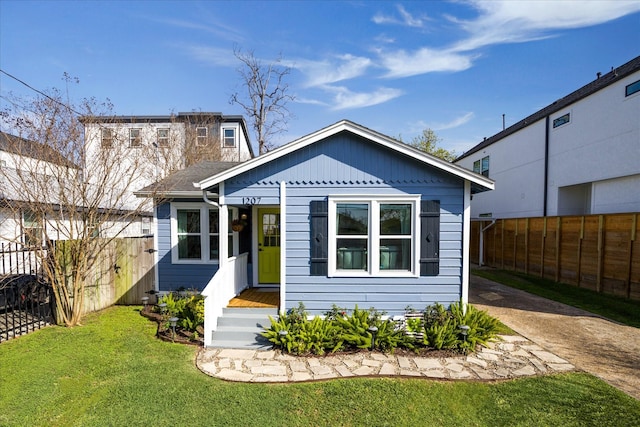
column 228, row 282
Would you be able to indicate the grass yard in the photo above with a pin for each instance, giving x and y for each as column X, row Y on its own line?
column 113, row 372
column 616, row 308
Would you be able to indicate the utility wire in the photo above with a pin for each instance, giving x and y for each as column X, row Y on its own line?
column 39, row 92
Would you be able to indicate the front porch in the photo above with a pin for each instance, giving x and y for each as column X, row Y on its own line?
column 256, row 298
column 244, row 318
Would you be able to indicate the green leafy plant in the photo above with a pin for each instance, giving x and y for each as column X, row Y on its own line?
column 482, row 327
column 188, row 307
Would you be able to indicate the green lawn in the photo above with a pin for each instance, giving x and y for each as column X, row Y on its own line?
column 113, row 372
column 620, row 309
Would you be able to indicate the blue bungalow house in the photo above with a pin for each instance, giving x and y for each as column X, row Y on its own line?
column 343, row 216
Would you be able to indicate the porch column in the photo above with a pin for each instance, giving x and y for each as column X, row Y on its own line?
column 283, row 246
column 223, row 215
column 466, row 230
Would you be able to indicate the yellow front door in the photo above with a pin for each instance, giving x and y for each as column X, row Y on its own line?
column 269, row 245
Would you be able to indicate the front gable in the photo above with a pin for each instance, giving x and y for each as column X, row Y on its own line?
column 343, row 159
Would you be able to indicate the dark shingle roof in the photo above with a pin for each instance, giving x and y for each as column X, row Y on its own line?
column 587, row 90
column 181, row 182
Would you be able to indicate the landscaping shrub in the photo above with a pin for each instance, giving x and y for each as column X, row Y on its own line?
column 188, row 307
column 435, row 328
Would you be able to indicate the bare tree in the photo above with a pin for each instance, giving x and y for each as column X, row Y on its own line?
column 63, row 188
column 265, row 103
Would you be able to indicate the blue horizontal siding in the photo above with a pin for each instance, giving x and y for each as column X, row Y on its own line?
column 348, row 165
column 343, row 164
column 175, row 276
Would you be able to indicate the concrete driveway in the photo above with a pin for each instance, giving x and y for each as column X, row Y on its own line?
column 596, row 345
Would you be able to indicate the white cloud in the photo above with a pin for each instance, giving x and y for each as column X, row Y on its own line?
column 458, row 121
column 401, row 63
column 211, row 55
column 420, row 125
column 405, row 19
column 515, row 22
column 344, row 99
column 332, row 70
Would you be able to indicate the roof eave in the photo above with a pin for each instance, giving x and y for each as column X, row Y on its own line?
column 356, row 129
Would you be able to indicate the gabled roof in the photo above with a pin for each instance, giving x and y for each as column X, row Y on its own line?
column 479, row 182
column 180, row 183
column 600, row 83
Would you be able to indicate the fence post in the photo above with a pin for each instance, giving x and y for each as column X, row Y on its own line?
column 558, row 231
column 579, row 260
column 600, row 252
column 632, row 238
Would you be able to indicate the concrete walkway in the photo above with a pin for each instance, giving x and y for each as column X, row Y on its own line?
column 513, row 357
column 604, row 348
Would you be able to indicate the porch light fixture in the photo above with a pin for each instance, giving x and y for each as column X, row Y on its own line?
column 464, row 330
column 374, row 331
column 173, row 321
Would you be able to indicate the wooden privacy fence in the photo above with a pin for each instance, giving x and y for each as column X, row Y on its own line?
column 597, row 252
column 122, row 274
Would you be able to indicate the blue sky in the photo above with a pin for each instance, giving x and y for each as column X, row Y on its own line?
column 396, row 67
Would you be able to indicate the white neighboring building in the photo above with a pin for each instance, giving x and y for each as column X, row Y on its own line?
column 160, row 145
column 577, row 156
column 30, row 215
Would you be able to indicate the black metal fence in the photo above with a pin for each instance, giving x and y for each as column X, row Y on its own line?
column 26, row 299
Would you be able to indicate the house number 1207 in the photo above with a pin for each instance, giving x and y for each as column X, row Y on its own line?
column 251, row 200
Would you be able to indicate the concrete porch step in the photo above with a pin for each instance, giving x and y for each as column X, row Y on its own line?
column 241, row 328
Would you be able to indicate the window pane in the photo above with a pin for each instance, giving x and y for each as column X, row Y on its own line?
column 189, row 247
column 229, row 137
column 271, row 230
column 189, row 221
column 214, row 253
column 214, row 221
column 395, row 219
column 352, row 254
column 353, row 219
column 230, row 245
column 395, row 254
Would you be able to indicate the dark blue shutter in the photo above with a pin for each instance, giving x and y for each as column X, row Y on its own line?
column 319, row 237
column 429, row 237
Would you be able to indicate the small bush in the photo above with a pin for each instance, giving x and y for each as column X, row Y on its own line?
column 189, row 308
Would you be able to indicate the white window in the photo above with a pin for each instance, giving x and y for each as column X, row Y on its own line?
column 145, row 226
column 562, row 120
column 163, row 138
column 482, row 166
column 195, row 235
column 107, row 138
column 373, row 236
column 135, row 139
column 201, row 136
column 229, row 137
column 33, row 230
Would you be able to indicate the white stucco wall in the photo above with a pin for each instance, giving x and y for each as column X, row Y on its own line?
column 599, row 148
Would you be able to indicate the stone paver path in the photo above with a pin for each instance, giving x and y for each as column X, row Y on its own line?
column 512, row 357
